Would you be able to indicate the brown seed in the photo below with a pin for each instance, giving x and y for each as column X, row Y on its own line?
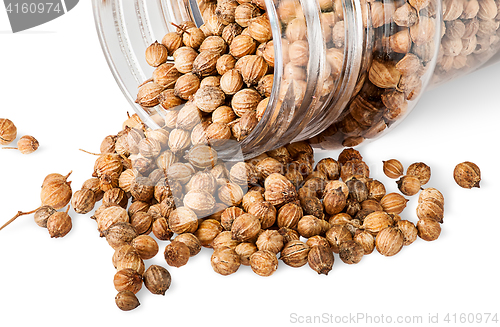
column 295, row 253
column 93, row 185
column 183, row 220
column 186, row 85
column 336, row 235
column 184, row 58
column 230, row 194
column 230, row 32
column 431, row 193
column 421, row 171
column 245, row 227
column 110, row 216
column 309, row 226
column 209, row 98
column 245, row 100
column 157, row 279
column 229, row 215
column 59, row 224
column 320, row 259
column 192, row 242
column 8, row 131
column 289, row 234
column 120, row 234
column 215, row 44
column 145, row 246
column 467, row 175
column 56, row 192
column 389, row 241
column 172, row 41
column 260, row 29
column 263, row 263
column 245, row 251
column 225, row 63
column 351, row 252
column 251, row 197
column 241, row 46
column 176, row 254
column 115, row 196
column 409, row 231
column 334, row 201
column 279, row 190
column 377, row 221
column 42, row 214
column 430, row 208
column 409, row 185
column 384, row 74
column 393, row 203
column 127, row 280
column 193, row 37
column 168, row 100
column 366, row 240
column 149, row 95
column 428, row 229
column 253, row 69
column 207, row 231
column 231, row 82
column 393, row 168
column 354, row 168
column 224, row 238
column 126, row 300
column 83, row 201
column 244, row 13
column 270, row 240
column 289, row 215
column 142, row 222
column 265, row 212
column 225, row 261
column 205, row 63
column 156, row 54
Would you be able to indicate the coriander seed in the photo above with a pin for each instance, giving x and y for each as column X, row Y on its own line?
column 389, row 241
column 409, row 185
column 245, row 251
column 126, row 300
column 42, row 214
column 351, row 252
column 225, row 261
column 59, row 224
column 321, row 259
column 263, row 263
column 127, row 280
column 191, row 241
column 157, row 279
column 8, row 131
column 176, row 254
column 467, row 175
column 145, row 246
column 428, row 229
column 295, row 253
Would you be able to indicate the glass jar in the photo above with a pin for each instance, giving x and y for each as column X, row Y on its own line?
column 344, row 72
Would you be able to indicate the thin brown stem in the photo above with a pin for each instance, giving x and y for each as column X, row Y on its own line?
column 19, row 214
column 9, row 148
column 181, row 28
column 94, row 154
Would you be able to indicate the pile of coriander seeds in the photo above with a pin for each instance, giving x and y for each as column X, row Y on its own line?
column 279, row 206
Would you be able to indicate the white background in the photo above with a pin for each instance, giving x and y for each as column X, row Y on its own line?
column 55, row 85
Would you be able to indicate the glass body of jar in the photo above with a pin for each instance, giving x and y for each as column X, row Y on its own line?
column 344, row 72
